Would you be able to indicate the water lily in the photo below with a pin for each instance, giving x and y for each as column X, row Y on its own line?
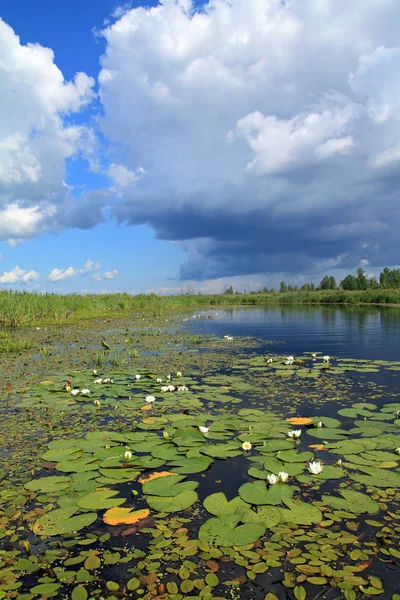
column 168, row 377
column 171, row 388
column 326, row 358
column 319, row 424
column 290, row 358
column 246, row 446
column 315, row 467
column 182, row 388
column 67, row 388
column 85, row 392
column 397, row 451
column 137, row 377
column 203, row 429
column 338, row 463
column 282, row 476
column 165, row 435
column 96, row 402
column 159, row 380
column 164, row 388
column 75, row 392
column 398, row 414
column 97, row 380
column 94, row 371
column 295, row 434
column 272, row 479
column 150, row 399
column 179, row 374
column 128, row 455
column 269, row 361
column 314, row 355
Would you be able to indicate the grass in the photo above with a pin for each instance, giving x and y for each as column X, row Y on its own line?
column 10, row 344
column 26, row 308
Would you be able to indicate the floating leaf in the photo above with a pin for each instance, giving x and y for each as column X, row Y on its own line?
column 62, row 521
column 173, row 503
column 100, row 499
column 124, row 516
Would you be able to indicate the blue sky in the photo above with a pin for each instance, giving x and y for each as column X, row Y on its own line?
column 201, row 144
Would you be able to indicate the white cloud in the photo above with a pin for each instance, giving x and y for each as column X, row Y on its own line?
column 36, row 136
column 261, row 125
column 18, row 275
column 61, row 274
column 106, row 275
column 111, row 274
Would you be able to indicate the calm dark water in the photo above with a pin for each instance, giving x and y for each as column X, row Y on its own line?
column 356, row 332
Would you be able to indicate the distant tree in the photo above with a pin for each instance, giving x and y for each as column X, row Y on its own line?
column 272, row 291
column 305, row 287
column 325, row 283
column 283, row 288
column 390, row 278
column 373, row 283
column 349, row 283
column 229, row 290
column 362, row 279
column 332, row 283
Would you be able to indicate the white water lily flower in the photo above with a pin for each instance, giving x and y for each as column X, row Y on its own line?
column 94, row 371
column 338, row 463
column 203, row 429
column 75, row 392
column 398, row 414
column 326, row 358
column 319, row 424
column 96, row 402
column 137, row 377
column 98, row 381
column 168, row 377
column 128, row 455
column 282, row 476
column 164, row 388
column 272, row 479
column 85, row 392
column 179, row 374
column 67, row 388
column 397, row 451
column 159, row 380
column 269, row 361
column 290, row 358
column 182, row 388
column 295, row 434
column 165, row 435
column 171, row 388
column 229, row 338
column 315, row 467
column 150, row 399
column 246, row 446
column 314, row 355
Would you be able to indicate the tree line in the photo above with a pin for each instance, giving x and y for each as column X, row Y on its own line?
column 388, row 279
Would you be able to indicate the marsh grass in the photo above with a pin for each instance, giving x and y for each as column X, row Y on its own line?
column 28, row 308
column 10, row 344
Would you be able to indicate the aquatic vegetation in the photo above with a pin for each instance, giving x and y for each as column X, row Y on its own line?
column 157, row 498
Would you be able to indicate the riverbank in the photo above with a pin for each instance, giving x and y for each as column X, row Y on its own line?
column 32, row 309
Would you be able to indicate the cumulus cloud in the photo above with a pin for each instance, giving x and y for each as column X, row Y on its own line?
column 106, row 275
column 61, row 274
column 268, row 130
column 37, row 137
column 18, row 275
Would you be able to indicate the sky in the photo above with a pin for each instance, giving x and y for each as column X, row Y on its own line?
column 182, row 146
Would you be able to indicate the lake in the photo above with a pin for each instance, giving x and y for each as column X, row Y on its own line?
column 371, row 332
